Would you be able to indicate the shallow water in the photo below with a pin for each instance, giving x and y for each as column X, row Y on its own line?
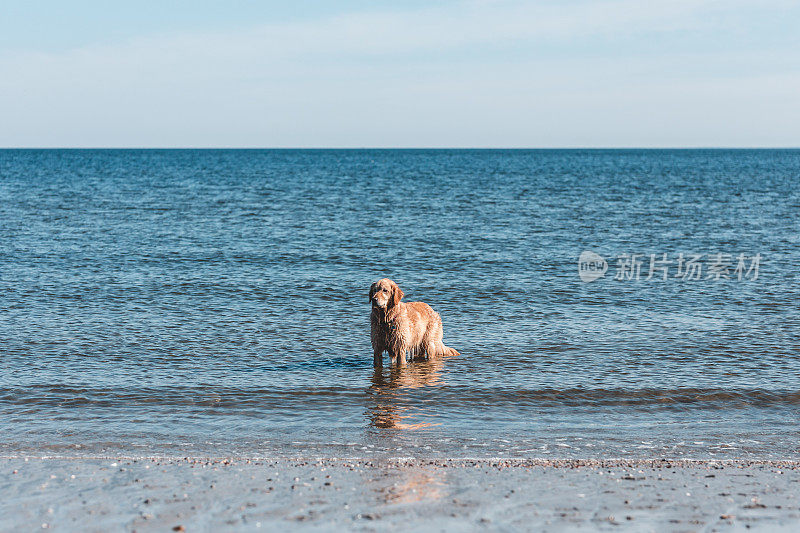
column 215, row 302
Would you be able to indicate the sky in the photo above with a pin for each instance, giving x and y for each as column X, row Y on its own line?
column 477, row 73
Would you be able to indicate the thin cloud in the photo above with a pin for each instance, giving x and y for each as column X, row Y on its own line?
column 333, row 81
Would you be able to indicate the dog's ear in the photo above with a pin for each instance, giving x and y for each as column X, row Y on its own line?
column 372, row 291
column 397, row 294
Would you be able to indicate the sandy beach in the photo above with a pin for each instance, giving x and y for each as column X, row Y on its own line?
column 200, row 494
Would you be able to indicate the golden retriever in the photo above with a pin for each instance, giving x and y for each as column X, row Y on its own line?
column 399, row 327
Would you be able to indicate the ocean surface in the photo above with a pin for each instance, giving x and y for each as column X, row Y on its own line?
column 214, row 302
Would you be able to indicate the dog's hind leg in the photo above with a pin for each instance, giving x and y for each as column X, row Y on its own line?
column 421, row 353
column 430, row 349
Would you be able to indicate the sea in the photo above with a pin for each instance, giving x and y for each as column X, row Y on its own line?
column 605, row 303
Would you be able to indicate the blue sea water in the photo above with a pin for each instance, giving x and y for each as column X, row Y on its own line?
column 215, row 302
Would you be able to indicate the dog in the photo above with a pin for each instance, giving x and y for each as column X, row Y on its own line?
column 399, row 327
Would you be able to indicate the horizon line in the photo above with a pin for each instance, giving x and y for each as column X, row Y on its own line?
column 399, row 148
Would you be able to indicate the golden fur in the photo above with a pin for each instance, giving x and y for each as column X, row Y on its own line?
column 399, row 327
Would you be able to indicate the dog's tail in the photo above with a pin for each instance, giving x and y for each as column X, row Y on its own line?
column 441, row 349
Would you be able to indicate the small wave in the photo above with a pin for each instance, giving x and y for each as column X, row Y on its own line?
column 437, row 398
column 318, row 364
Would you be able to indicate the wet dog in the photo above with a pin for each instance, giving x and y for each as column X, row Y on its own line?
column 400, row 328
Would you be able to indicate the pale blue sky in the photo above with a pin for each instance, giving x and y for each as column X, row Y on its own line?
column 480, row 73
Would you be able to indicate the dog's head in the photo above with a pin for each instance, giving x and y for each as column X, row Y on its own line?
column 384, row 294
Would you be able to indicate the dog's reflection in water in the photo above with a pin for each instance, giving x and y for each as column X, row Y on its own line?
column 394, row 391
column 390, row 388
column 409, row 485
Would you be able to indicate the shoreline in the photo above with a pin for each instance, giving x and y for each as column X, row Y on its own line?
column 402, row 461
column 235, row 494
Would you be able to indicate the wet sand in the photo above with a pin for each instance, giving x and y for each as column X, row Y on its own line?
column 166, row 494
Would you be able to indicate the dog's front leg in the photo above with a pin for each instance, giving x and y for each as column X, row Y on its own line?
column 399, row 357
column 377, row 357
